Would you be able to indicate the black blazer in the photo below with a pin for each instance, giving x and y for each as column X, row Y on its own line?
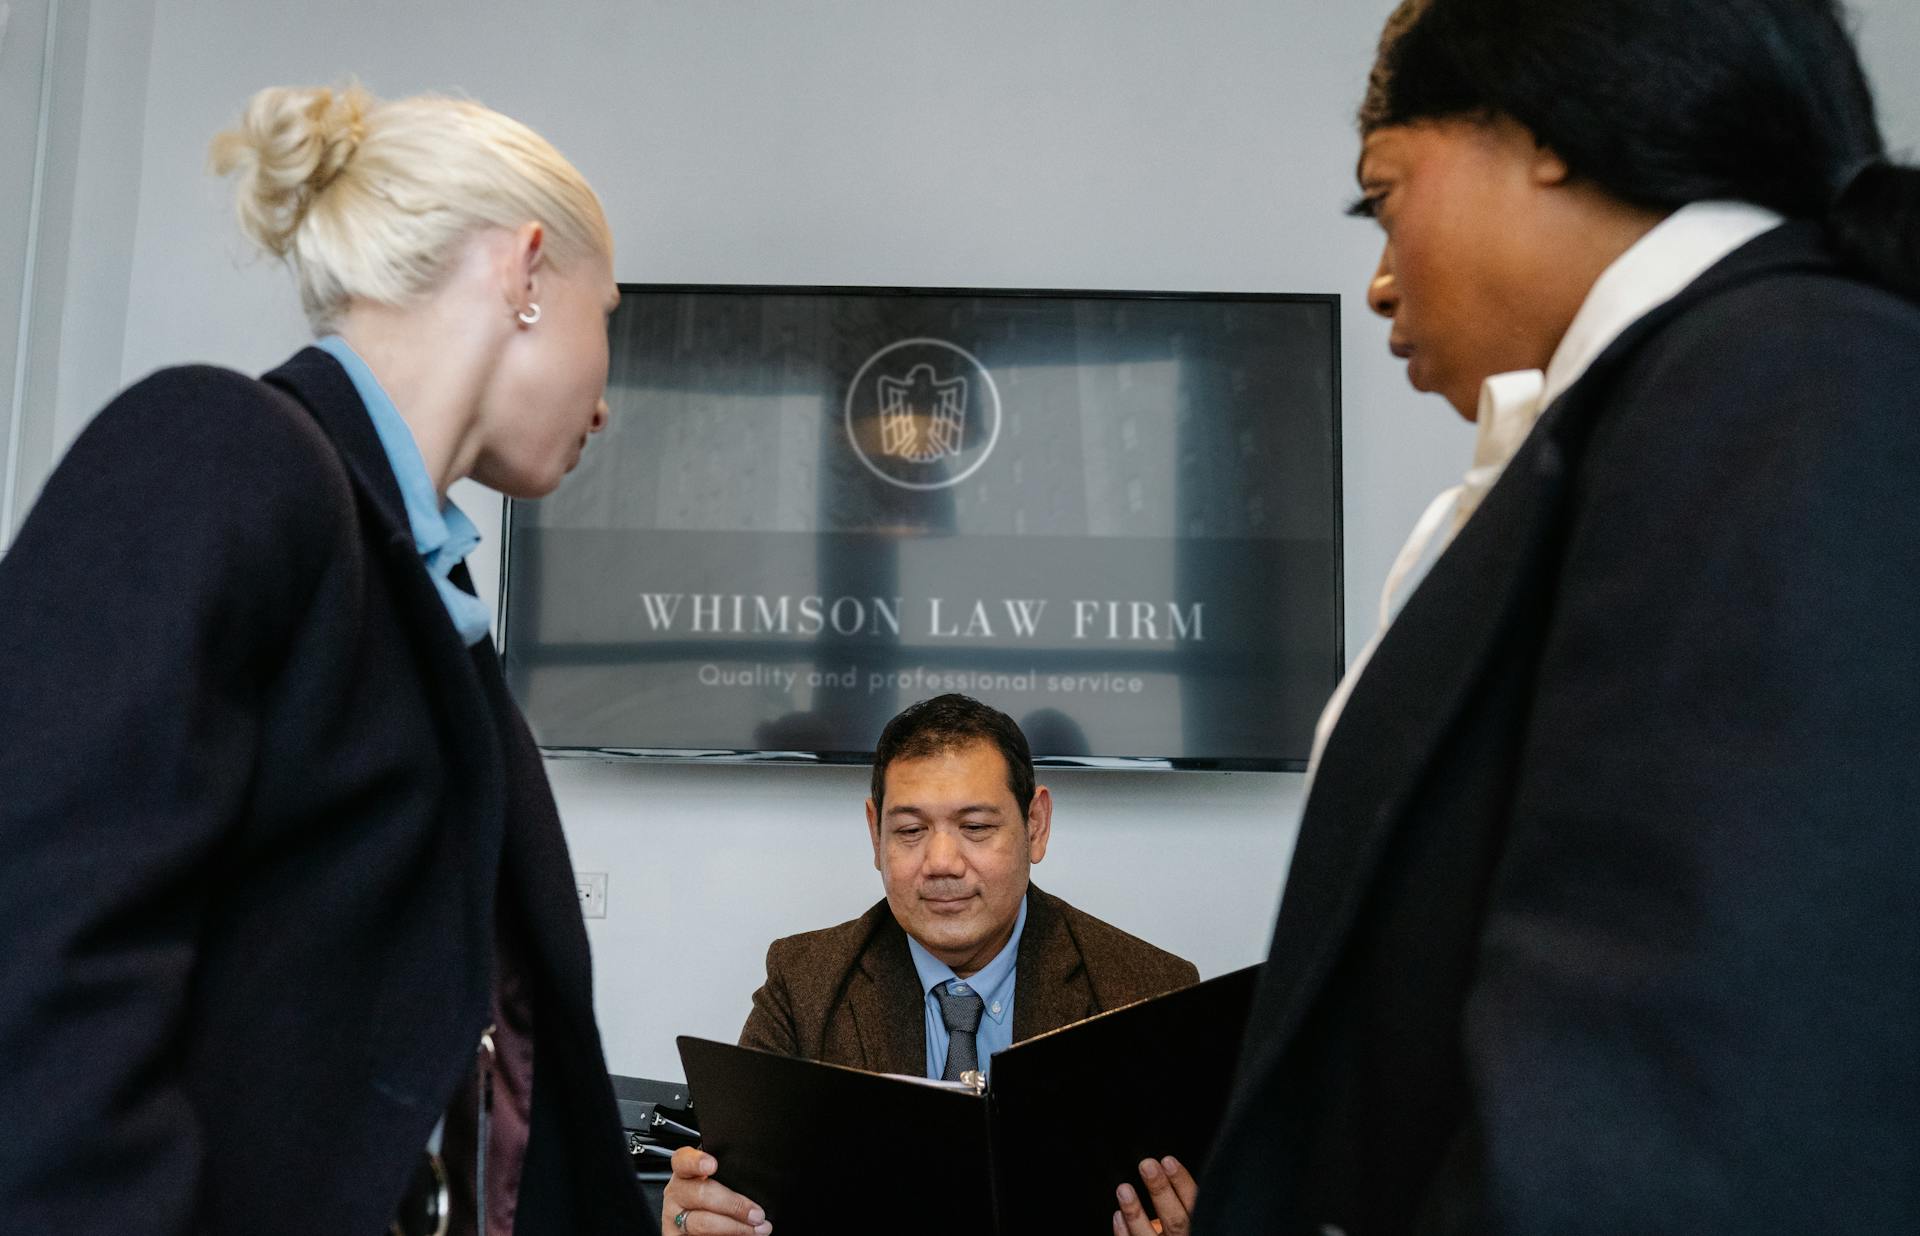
column 259, row 809
column 1602, row 913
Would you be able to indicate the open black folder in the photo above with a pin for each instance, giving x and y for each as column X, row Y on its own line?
column 1069, row 1116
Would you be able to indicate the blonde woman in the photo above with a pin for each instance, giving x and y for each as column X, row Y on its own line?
column 291, row 941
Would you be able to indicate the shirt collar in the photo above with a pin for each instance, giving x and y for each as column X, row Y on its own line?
column 994, row 981
column 442, row 533
column 1651, row 272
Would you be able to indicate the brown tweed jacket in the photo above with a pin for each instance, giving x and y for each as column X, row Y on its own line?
column 850, row 995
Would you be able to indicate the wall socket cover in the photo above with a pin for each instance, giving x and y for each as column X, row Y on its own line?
column 592, row 887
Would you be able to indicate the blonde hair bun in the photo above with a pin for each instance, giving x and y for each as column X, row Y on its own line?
column 291, row 143
column 374, row 200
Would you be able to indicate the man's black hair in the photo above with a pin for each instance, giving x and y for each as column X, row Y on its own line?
column 947, row 722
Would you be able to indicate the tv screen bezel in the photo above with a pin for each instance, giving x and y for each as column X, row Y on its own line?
column 756, row 756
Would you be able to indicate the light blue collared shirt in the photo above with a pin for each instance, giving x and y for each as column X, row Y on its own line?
column 994, row 981
column 441, row 531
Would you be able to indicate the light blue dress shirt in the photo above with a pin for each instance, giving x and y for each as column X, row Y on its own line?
column 994, row 981
column 441, row 531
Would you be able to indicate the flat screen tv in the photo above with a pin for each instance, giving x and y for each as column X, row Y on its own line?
column 1113, row 515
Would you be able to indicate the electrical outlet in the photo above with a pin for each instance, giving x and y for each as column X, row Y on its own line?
column 592, row 887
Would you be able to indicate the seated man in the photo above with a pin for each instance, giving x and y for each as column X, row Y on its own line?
column 963, row 957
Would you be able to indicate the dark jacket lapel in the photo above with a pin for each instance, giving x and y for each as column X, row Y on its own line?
column 1441, row 646
column 1050, row 980
column 1051, row 988
column 318, row 383
column 1419, row 678
column 324, row 389
column 885, row 1000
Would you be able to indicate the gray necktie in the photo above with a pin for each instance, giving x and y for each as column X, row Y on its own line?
column 962, row 1015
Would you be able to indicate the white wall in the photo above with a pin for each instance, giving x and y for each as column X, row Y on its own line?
column 1076, row 143
column 25, row 26
column 82, row 117
column 1089, row 144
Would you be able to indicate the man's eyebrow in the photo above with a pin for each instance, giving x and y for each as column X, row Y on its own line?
column 921, row 813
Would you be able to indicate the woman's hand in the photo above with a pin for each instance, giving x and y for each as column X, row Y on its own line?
column 698, row 1205
column 1171, row 1189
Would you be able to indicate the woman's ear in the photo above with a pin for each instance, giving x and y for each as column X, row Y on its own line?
column 1549, row 169
column 526, row 251
column 1521, row 149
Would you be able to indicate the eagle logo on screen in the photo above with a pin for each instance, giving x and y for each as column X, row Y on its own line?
column 921, row 417
column 923, row 413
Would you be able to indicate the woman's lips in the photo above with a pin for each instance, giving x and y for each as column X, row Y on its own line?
column 1400, row 348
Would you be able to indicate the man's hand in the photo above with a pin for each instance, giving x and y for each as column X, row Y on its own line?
column 709, row 1207
column 1171, row 1189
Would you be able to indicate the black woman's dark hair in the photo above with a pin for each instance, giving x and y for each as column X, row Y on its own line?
column 1665, row 102
column 946, row 723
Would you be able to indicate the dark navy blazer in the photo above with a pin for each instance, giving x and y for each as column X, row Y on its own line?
column 1602, row 916
column 259, row 812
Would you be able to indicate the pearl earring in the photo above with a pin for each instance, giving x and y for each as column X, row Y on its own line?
column 529, row 315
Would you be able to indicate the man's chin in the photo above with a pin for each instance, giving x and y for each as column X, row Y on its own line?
column 945, row 936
